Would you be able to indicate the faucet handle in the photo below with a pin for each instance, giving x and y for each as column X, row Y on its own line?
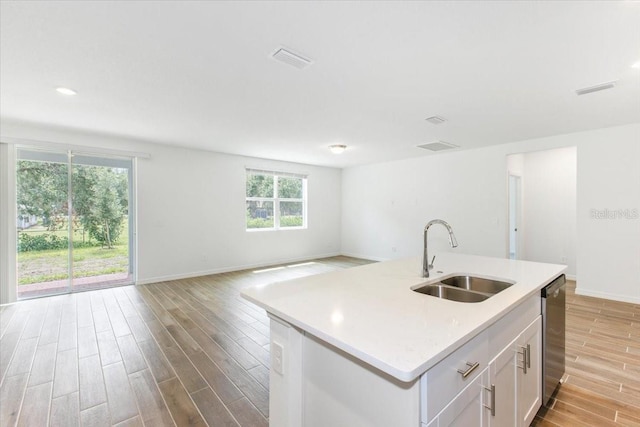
column 431, row 264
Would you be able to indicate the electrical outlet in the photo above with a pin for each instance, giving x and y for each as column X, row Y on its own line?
column 277, row 352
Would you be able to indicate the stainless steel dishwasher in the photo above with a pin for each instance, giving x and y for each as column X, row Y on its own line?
column 553, row 335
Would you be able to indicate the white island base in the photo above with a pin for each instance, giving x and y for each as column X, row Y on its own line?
column 315, row 384
column 321, row 385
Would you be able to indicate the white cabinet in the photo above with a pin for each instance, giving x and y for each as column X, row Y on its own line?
column 502, row 380
column 529, row 381
column 467, row 409
column 441, row 384
column 503, row 390
column 515, row 376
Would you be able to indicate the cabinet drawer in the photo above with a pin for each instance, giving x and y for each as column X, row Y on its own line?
column 510, row 325
column 443, row 382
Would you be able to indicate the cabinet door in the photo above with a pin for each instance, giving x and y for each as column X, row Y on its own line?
column 529, row 381
column 502, row 377
column 466, row 409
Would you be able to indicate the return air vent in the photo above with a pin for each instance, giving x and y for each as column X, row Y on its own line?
column 436, row 120
column 290, row 58
column 596, row 88
column 438, row 146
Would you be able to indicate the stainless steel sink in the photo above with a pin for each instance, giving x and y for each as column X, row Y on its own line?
column 477, row 284
column 451, row 293
column 464, row 288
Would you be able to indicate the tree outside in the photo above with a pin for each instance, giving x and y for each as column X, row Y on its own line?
column 98, row 220
column 261, row 201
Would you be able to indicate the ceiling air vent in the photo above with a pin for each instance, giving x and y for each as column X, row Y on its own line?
column 291, row 58
column 436, row 120
column 596, row 88
column 438, row 146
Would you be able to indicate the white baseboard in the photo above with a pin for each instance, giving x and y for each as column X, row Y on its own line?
column 605, row 295
column 570, row 277
column 232, row 268
column 363, row 256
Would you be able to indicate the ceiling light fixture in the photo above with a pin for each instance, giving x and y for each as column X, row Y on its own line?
column 66, row 91
column 337, row 148
column 596, row 88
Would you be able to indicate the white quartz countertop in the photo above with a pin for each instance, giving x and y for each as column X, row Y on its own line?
column 372, row 313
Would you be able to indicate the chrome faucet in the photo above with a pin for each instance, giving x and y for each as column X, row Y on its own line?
column 426, row 266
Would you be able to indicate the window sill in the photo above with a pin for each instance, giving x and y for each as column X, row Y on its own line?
column 257, row 230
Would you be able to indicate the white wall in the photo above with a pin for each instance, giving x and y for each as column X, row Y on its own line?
column 549, row 207
column 609, row 248
column 191, row 208
column 386, row 205
column 177, row 186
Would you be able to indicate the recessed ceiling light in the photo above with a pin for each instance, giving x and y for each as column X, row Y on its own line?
column 337, row 148
column 66, row 91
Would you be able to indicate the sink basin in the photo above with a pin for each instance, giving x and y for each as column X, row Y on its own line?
column 464, row 288
column 451, row 293
column 477, row 284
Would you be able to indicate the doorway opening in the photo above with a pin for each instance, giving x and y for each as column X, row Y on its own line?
column 542, row 200
column 74, row 222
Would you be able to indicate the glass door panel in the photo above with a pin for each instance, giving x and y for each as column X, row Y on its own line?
column 100, row 212
column 42, row 184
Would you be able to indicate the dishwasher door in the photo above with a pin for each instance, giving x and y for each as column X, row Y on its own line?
column 553, row 336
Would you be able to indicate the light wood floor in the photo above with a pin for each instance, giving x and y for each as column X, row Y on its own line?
column 187, row 352
column 193, row 352
column 602, row 381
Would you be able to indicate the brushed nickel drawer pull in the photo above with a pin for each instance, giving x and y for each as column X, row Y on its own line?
column 524, row 359
column 472, row 367
column 529, row 356
column 492, row 408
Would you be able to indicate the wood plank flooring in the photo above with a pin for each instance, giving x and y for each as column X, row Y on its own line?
column 602, row 380
column 187, row 353
column 193, row 352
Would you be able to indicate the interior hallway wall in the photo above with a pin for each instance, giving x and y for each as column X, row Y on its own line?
column 549, row 207
column 386, row 205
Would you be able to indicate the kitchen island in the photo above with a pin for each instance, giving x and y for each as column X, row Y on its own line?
column 360, row 347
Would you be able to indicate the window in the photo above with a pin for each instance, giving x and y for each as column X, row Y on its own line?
column 276, row 200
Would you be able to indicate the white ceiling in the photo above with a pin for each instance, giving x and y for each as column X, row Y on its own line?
column 199, row 74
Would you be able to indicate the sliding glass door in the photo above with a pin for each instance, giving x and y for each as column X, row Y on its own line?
column 42, row 193
column 74, row 222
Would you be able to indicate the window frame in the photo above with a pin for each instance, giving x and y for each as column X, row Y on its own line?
column 276, row 200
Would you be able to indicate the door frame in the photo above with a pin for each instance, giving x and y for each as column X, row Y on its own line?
column 514, row 202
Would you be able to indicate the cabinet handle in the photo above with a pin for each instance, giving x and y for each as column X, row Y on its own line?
column 492, row 408
column 524, row 359
column 528, row 356
column 472, row 367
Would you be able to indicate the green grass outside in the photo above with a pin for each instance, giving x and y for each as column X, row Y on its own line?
column 49, row 265
column 285, row 221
